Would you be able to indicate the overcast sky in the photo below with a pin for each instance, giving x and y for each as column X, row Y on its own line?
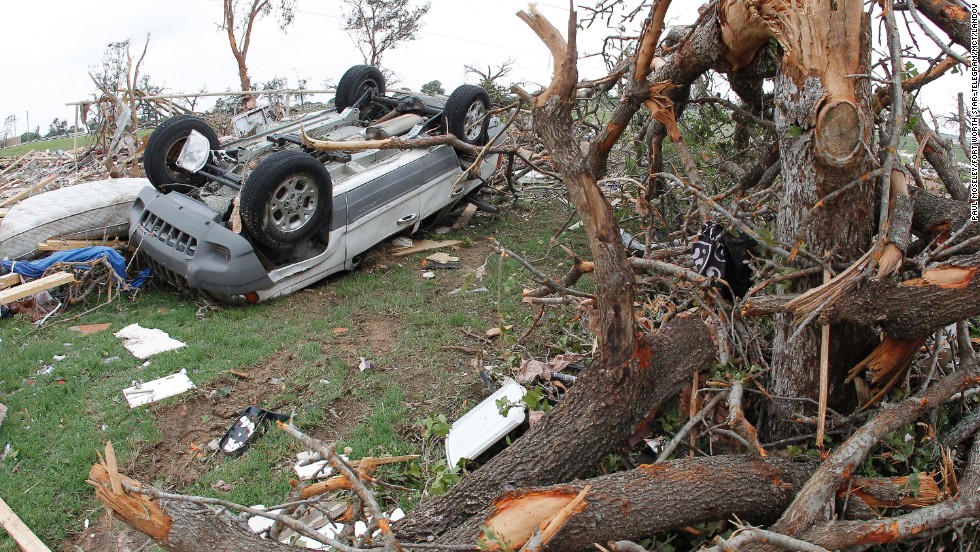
column 51, row 44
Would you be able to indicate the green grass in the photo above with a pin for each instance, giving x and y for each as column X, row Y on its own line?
column 57, row 421
column 53, row 145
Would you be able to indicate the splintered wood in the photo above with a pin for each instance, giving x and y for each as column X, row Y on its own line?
column 517, row 517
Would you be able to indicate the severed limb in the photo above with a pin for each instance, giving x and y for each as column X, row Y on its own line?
column 651, row 498
column 807, row 512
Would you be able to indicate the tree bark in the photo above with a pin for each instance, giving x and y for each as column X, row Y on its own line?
column 910, row 309
column 660, row 497
column 595, row 418
column 952, row 19
column 935, row 217
column 822, row 121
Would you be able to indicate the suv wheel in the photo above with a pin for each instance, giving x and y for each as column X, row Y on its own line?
column 466, row 114
column 286, row 199
column 163, row 148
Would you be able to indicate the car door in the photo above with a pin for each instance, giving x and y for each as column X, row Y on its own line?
column 384, row 205
column 440, row 170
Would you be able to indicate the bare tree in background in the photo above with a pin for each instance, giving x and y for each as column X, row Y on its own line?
column 239, row 21
column 380, row 25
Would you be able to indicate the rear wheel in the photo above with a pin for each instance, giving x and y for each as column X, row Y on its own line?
column 163, row 148
column 466, row 114
column 286, row 199
column 357, row 80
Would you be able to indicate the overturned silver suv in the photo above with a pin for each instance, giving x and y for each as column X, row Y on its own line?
column 305, row 214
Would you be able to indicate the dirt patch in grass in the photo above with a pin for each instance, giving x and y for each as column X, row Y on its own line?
column 340, row 417
column 181, row 456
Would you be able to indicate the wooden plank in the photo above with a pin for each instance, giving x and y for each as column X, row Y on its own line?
column 61, row 245
column 464, row 218
column 9, row 280
column 21, row 533
column 424, row 245
column 30, row 288
column 16, row 162
column 27, row 192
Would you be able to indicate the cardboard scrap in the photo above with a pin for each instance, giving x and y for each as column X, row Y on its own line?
column 158, row 389
column 88, row 329
column 146, row 342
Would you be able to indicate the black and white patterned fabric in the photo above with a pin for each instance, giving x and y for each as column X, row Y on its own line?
column 709, row 251
column 724, row 257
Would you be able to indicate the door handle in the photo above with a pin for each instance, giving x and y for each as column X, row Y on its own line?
column 408, row 219
column 457, row 191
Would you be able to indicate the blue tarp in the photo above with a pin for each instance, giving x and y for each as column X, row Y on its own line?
column 35, row 269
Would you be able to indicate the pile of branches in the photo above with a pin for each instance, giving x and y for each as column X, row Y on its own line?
column 856, row 330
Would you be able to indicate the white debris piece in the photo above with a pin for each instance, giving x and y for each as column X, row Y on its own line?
column 146, row 342
column 158, row 389
column 483, row 426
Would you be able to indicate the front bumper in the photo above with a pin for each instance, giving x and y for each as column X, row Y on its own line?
column 188, row 245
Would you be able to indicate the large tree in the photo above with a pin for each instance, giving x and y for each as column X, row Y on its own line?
column 239, row 21
column 381, row 25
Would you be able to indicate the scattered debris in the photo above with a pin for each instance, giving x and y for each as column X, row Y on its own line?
column 365, row 365
column 158, row 389
column 496, row 332
column 481, row 427
column 222, row 487
column 424, row 245
column 246, row 427
column 402, row 241
column 88, row 329
column 440, row 261
column 535, row 369
column 146, row 342
column 3, row 413
column 340, row 331
column 428, row 275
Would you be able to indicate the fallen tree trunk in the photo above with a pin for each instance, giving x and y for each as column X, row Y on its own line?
column 176, row 525
column 652, row 498
column 581, row 431
column 944, row 294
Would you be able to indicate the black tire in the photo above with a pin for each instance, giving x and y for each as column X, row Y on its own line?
column 467, row 105
column 286, row 199
column 355, row 81
column 163, row 148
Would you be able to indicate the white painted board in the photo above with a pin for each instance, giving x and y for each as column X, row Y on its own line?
column 481, row 427
column 158, row 389
column 146, row 342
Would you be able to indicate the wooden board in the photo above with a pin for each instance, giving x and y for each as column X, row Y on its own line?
column 62, row 245
column 9, row 280
column 30, row 288
column 424, row 245
column 13, row 165
column 21, row 533
column 464, row 218
column 27, row 192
